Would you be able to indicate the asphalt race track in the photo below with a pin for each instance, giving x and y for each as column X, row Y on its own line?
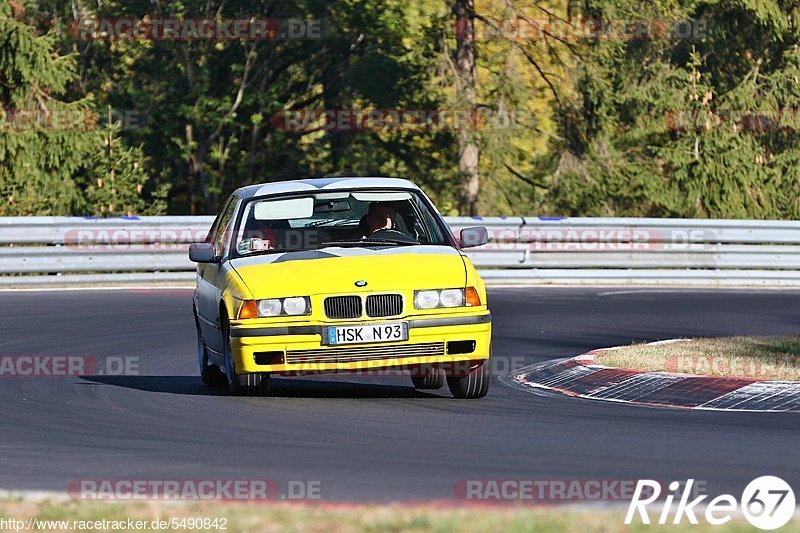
column 375, row 439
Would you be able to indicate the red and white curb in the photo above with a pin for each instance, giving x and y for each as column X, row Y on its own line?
column 581, row 377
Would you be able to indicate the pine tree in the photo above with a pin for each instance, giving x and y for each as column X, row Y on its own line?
column 56, row 154
column 685, row 127
column 117, row 179
column 44, row 141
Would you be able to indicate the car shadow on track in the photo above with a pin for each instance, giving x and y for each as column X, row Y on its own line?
column 281, row 387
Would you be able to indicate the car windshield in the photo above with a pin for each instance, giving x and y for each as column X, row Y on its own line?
column 309, row 221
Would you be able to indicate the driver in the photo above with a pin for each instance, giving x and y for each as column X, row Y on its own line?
column 379, row 217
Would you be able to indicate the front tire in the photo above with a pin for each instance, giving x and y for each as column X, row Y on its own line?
column 211, row 375
column 256, row 384
column 472, row 386
column 428, row 377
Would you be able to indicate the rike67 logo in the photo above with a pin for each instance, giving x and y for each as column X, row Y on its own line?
column 767, row 503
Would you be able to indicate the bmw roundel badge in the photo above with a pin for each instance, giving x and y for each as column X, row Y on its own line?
column 361, row 283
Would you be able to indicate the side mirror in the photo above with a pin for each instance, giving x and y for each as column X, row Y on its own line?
column 472, row 237
column 203, row 252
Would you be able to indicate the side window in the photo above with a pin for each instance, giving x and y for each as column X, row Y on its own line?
column 221, row 226
column 428, row 229
column 214, row 225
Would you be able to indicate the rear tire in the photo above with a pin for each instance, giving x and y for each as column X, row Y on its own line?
column 429, row 377
column 256, row 384
column 473, row 385
column 249, row 385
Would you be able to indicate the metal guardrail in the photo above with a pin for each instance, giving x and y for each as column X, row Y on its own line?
column 41, row 251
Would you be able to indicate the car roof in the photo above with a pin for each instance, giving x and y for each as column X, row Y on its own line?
column 326, row 184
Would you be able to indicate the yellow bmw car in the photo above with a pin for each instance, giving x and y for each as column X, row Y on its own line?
column 339, row 275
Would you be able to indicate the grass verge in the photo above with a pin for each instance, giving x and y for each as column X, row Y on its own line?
column 330, row 518
column 761, row 358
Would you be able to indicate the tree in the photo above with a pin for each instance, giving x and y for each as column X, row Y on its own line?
column 116, row 181
column 683, row 127
column 44, row 141
column 54, row 153
column 468, row 151
column 567, row 123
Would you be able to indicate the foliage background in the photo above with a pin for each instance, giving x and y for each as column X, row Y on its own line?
column 593, row 127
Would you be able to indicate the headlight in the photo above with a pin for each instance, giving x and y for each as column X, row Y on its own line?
column 271, row 307
column 452, row 297
column 446, row 298
column 295, row 306
column 426, row 299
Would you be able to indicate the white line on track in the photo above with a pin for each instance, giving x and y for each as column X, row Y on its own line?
column 691, row 290
column 128, row 288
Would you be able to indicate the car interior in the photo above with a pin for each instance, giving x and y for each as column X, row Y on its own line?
column 332, row 221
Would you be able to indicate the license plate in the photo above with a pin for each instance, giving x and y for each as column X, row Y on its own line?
column 366, row 333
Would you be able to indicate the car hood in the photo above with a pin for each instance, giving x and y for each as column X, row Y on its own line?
column 336, row 270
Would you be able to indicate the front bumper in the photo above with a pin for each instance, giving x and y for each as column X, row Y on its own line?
column 298, row 349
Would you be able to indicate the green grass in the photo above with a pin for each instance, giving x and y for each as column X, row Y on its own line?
column 259, row 517
column 763, row 358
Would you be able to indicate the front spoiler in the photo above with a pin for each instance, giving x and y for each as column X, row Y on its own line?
column 248, row 341
column 270, row 331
